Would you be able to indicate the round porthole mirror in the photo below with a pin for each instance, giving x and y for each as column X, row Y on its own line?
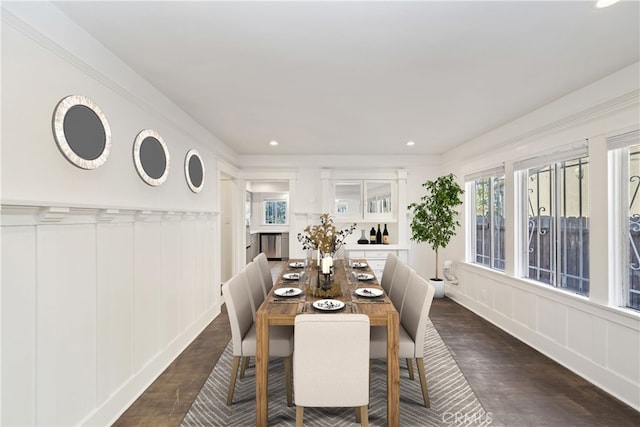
column 82, row 132
column 151, row 157
column 194, row 170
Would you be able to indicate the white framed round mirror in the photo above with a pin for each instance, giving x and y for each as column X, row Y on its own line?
column 194, row 170
column 151, row 157
column 82, row 132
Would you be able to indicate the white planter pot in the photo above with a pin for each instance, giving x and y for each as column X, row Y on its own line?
column 439, row 285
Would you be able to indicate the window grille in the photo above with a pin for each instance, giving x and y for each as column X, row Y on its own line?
column 557, row 219
column 624, row 149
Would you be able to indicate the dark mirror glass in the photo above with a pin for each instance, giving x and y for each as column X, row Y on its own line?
column 152, row 157
column 84, row 132
column 195, row 171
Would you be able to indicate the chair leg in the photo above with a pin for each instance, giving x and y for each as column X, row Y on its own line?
column 299, row 415
column 288, row 376
column 423, row 381
column 409, row 367
column 245, row 365
column 232, row 379
column 364, row 416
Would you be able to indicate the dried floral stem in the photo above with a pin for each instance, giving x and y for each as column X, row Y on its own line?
column 326, row 236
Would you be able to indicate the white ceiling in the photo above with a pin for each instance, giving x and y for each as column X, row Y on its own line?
column 362, row 77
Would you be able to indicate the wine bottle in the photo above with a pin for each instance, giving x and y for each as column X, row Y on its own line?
column 379, row 236
column 372, row 236
column 385, row 236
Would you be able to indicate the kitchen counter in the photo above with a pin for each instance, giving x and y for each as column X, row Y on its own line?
column 375, row 247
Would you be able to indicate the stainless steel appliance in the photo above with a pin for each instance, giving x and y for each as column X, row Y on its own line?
column 271, row 245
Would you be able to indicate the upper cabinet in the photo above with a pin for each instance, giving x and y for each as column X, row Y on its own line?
column 348, row 199
column 367, row 197
column 379, row 198
column 373, row 200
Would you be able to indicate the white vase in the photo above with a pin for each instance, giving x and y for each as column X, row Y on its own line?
column 439, row 285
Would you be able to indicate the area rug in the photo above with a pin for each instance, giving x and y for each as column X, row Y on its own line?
column 453, row 402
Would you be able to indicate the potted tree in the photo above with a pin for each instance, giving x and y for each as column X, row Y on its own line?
column 435, row 218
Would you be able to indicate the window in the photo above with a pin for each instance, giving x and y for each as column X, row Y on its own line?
column 487, row 194
column 557, row 221
column 633, row 262
column 624, row 157
column 275, row 212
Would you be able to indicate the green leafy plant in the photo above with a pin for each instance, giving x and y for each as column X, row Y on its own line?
column 435, row 216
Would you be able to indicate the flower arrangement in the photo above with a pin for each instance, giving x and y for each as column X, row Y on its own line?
column 325, row 237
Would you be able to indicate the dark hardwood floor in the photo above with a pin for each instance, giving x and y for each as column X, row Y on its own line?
column 516, row 384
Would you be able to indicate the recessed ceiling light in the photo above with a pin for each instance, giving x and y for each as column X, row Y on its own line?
column 605, row 3
column 273, row 143
column 410, row 143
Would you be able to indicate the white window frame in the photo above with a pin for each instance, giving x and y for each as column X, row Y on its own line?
column 521, row 168
column 470, row 180
column 618, row 145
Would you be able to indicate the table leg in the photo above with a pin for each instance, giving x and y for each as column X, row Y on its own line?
column 393, row 370
column 262, row 366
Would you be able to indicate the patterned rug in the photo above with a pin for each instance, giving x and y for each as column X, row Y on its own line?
column 453, row 402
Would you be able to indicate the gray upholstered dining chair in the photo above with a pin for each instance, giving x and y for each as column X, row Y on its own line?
column 255, row 286
column 399, row 283
column 413, row 324
column 340, row 342
column 267, row 278
column 387, row 272
column 243, row 333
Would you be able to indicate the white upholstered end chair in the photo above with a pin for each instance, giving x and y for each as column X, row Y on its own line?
column 340, row 343
column 243, row 333
column 413, row 324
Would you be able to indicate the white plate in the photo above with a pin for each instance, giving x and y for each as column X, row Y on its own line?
column 359, row 265
column 291, row 276
column 287, row 292
column 369, row 292
column 364, row 276
column 328, row 305
column 298, row 264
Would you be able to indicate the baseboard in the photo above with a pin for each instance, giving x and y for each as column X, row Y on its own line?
column 595, row 374
column 124, row 397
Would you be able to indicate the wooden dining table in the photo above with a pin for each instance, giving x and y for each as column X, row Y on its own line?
column 277, row 310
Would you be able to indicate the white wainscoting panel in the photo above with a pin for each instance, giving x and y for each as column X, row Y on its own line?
column 502, row 299
column 624, row 352
column 187, row 285
column 115, row 307
column 200, row 267
column 552, row 320
column 581, row 338
column 18, row 326
column 600, row 340
column 147, row 287
column 169, row 314
column 66, row 323
column 524, row 308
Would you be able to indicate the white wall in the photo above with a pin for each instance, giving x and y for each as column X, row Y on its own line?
column 105, row 280
column 591, row 336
